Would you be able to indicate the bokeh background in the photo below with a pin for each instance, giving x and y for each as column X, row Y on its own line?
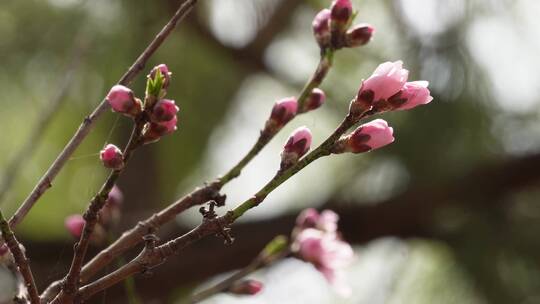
column 449, row 213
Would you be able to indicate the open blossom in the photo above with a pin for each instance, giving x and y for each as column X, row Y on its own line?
column 164, row 110
column 328, row 253
column 283, row 111
column 297, row 145
column 164, row 72
column 111, row 157
column 321, row 27
column 246, row 287
column 122, row 100
column 74, row 225
column 387, row 80
column 412, row 94
column 311, row 218
column 359, row 35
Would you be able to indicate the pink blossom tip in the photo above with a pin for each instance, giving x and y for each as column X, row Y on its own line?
column 311, row 218
column 387, row 80
column 122, row 100
column 359, row 35
column 111, row 157
column 369, row 136
column 321, row 27
column 341, row 11
column 74, row 225
column 283, row 111
column 298, row 143
column 246, row 287
column 412, row 94
column 327, row 252
column 164, row 110
column 315, row 99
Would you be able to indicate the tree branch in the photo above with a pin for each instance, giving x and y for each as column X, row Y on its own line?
column 88, row 123
column 20, row 259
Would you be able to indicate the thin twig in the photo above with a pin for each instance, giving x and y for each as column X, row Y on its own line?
column 258, row 263
column 20, row 259
column 153, row 256
column 47, row 113
column 71, row 281
column 199, row 196
column 88, row 123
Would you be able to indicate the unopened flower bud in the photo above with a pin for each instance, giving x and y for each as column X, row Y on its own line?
column 321, row 28
column 315, row 99
column 246, row 287
column 412, row 94
column 283, row 111
column 164, row 110
column 3, row 250
column 155, row 130
column 369, row 136
column 297, row 145
column 122, row 100
column 111, row 157
column 110, row 212
column 341, row 11
column 164, row 72
column 75, row 225
column 359, row 35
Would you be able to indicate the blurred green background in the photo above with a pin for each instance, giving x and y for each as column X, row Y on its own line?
column 449, row 213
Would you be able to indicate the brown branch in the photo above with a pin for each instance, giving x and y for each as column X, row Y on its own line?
column 88, row 123
column 71, row 281
column 153, row 256
column 20, row 259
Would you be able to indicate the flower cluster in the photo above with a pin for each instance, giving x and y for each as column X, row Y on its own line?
column 161, row 113
column 317, row 241
column 332, row 27
column 387, row 89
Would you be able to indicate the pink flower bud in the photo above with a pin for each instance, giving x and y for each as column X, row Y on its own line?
column 246, row 287
column 413, row 94
column 3, row 250
column 341, row 11
column 155, row 130
column 315, row 99
column 116, row 197
column 321, row 28
column 75, row 225
column 164, row 110
column 164, row 72
column 372, row 135
column 283, row 111
column 310, row 218
column 122, row 100
column 111, row 157
column 297, row 145
column 387, row 80
column 111, row 210
column 359, row 35
column 327, row 252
